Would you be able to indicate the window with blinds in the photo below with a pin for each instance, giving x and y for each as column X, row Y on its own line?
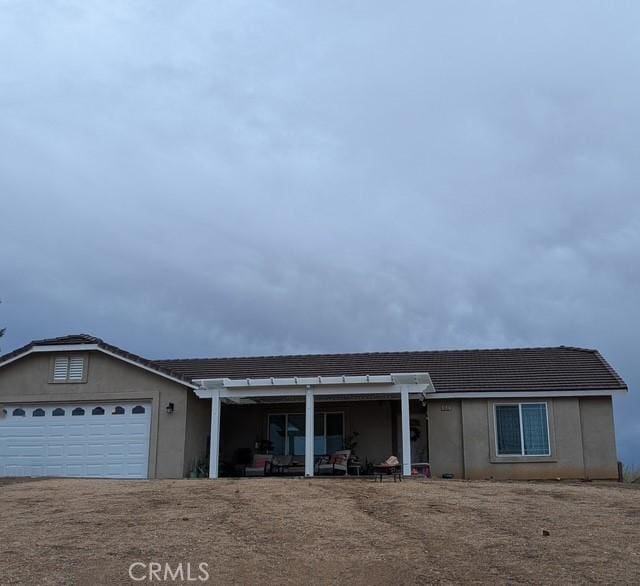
column 522, row 429
column 69, row 369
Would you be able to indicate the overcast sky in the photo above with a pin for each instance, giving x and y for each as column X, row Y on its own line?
column 206, row 179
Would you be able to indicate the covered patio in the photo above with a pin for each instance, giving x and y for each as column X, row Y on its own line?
column 305, row 418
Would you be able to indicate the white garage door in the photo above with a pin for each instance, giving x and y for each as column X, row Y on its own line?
column 96, row 440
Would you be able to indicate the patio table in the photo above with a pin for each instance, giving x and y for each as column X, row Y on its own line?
column 381, row 470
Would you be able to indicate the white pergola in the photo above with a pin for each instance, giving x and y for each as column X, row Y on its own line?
column 404, row 385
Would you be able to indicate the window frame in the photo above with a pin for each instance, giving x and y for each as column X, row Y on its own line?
column 68, row 356
column 286, row 415
column 522, row 455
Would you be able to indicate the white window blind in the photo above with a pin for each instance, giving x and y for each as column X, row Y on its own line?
column 68, row 369
column 60, row 369
column 76, row 368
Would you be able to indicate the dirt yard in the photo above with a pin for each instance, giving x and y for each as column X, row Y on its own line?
column 321, row 531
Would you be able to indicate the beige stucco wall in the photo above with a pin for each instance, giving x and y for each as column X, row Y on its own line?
column 598, row 437
column 110, row 379
column 372, row 420
column 197, row 431
column 582, row 439
column 445, row 438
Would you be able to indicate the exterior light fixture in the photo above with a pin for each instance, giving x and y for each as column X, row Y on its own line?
column 170, row 408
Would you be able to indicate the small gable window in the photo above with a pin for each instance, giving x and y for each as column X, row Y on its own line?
column 38, row 413
column 118, row 411
column 78, row 411
column 69, row 369
column 58, row 412
column 97, row 411
column 18, row 412
column 138, row 409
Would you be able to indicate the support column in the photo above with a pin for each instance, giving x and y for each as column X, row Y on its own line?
column 309, row 430
column 214, row 444
column 406, row 431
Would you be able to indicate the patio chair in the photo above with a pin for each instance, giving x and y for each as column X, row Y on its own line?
column 281, row 464
column 261, row 465
column 336, row 463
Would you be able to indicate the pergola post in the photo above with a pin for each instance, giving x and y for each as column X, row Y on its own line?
column 406, row 431
column 214, row 444
column 309, row 432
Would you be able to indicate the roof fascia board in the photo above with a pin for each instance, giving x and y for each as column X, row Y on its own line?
column 65, row 348
column 516, row 394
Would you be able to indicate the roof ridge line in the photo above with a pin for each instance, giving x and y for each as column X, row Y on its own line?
column 377, row 353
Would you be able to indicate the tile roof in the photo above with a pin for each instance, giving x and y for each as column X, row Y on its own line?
column 559, row 368
column 531, row 369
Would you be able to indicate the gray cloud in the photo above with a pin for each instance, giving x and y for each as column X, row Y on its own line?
column 187, row 179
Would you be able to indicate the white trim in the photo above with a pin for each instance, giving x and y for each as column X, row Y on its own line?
column 415, row 378
column 301, row 392
column 87, row 347
column 309, row 433
column 416, row 383
column 523, row 394
column 406, row 431
column 214, row 437
column 63, row 348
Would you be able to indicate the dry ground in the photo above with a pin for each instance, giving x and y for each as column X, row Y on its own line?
column 321, row 531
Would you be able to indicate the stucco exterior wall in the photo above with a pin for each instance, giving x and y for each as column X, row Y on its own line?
column 372, row 420
column 197, row 431
column 598, row 437
column 445, row 438
column 581, row 434
column 109, row 379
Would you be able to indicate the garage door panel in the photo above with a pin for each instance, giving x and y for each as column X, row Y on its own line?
column 96, row 450
column 91, row 443
column 53, row 451
column 56, row 430
column 97, row 429
column 75, row 430
column 116, row 450
column 137, row 449
column 75, row 450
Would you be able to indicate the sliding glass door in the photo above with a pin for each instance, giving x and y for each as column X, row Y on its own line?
column 286, row 432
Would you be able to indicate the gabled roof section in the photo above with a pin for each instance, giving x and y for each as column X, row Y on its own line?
column 453, row 371
column 87, row 342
